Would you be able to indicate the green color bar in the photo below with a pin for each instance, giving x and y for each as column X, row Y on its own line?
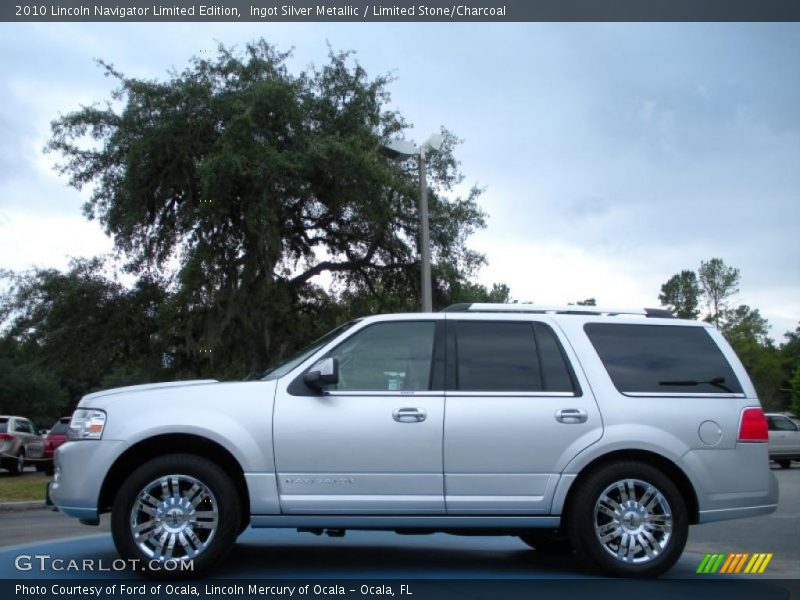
column 703, row 564
column 717, row 564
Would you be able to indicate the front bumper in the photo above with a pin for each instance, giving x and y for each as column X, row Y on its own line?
column 80, row 469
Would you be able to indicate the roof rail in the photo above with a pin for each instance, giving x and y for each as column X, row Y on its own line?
column 561, row 310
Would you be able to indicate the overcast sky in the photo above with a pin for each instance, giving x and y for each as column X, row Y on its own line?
column 613, row 155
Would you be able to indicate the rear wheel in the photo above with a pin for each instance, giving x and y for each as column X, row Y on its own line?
column 784, row 464
column 547, row 542
column 16, row 465
column 629, row 520
column 176, row 508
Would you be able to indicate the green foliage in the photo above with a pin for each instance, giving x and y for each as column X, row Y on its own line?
column 255, row 181
column 794, row 386
column 69, row 331
column 745, row 323
column 719, row 282
column 30, row 392
column 681, row 295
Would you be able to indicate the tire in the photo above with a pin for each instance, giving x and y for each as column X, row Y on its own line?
column 16, row 466
column 658, row 527
column 547, row 542
column 200, row 516
column 784, row 464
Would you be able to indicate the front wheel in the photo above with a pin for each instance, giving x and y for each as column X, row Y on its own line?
column 629, row 520
column 174, row 510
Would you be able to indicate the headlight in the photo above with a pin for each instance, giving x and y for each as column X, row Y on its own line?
column 87, row 424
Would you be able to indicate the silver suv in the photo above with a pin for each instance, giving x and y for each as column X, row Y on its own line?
column 20, row 442
column 599, row 431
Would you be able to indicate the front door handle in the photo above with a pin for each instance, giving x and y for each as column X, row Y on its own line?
column 571, row 416
column 409, row 415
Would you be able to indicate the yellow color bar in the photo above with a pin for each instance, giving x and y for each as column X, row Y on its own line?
column 767, row 558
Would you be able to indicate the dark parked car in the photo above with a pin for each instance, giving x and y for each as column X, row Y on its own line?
column 56, row 437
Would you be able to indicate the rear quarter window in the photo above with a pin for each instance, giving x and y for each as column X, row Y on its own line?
column 662, row 359
column 60, row 428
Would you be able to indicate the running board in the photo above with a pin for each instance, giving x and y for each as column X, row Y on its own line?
column 402, row 521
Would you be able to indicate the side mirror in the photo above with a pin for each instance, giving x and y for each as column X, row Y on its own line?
column 43, row 431
column 325, row 372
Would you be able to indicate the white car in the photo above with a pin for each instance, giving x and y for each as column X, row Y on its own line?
column 784, row 439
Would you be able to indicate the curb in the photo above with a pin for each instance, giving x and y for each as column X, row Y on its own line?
column 24, row 505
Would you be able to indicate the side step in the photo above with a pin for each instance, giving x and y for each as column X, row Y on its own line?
column 318, row 524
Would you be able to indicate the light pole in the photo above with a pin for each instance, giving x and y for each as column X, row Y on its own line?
column 402, row 150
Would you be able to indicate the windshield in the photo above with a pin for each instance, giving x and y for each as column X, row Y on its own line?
column 283, row 368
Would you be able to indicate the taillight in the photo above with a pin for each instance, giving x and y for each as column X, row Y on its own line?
column 753, row 426
column 6, row 436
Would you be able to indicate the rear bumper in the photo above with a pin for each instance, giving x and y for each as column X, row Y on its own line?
column 732, row 483
column 723, row 514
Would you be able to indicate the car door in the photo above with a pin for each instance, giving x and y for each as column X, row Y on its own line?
column 35, row 447
column 24, row 431
column 784, row 437
column 372, row 444
column 793, row 437
column 516, row 413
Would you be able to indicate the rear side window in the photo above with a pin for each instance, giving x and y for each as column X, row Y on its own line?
column 494, row 356
column 662, row 359
column 60, row 428
column 780, row 424
column 3, row 425
column 23, row 426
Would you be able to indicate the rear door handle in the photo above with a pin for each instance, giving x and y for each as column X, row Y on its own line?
column 409, row 415
column 571, row 416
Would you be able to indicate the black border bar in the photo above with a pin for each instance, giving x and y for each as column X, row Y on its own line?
column 398, row 10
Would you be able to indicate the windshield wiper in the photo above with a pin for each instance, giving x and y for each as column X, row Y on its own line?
column 716, row 382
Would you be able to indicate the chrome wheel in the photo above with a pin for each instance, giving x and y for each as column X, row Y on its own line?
column 174, row 517
column 633, row 521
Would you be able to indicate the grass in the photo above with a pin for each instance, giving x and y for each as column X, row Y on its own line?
column 29, row 486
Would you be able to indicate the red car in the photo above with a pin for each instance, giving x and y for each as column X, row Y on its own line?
column 55, row 437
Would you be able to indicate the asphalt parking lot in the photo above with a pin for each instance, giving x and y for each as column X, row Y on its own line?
column 288, row 554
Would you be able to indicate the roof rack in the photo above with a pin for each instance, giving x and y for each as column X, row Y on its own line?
column 659, row 313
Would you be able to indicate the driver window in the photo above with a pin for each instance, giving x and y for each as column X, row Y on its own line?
column 386, row 357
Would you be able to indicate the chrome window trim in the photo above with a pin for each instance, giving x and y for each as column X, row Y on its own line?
column 682, row 395
column 450, row 394
column 471, row 394
column 387, row 393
